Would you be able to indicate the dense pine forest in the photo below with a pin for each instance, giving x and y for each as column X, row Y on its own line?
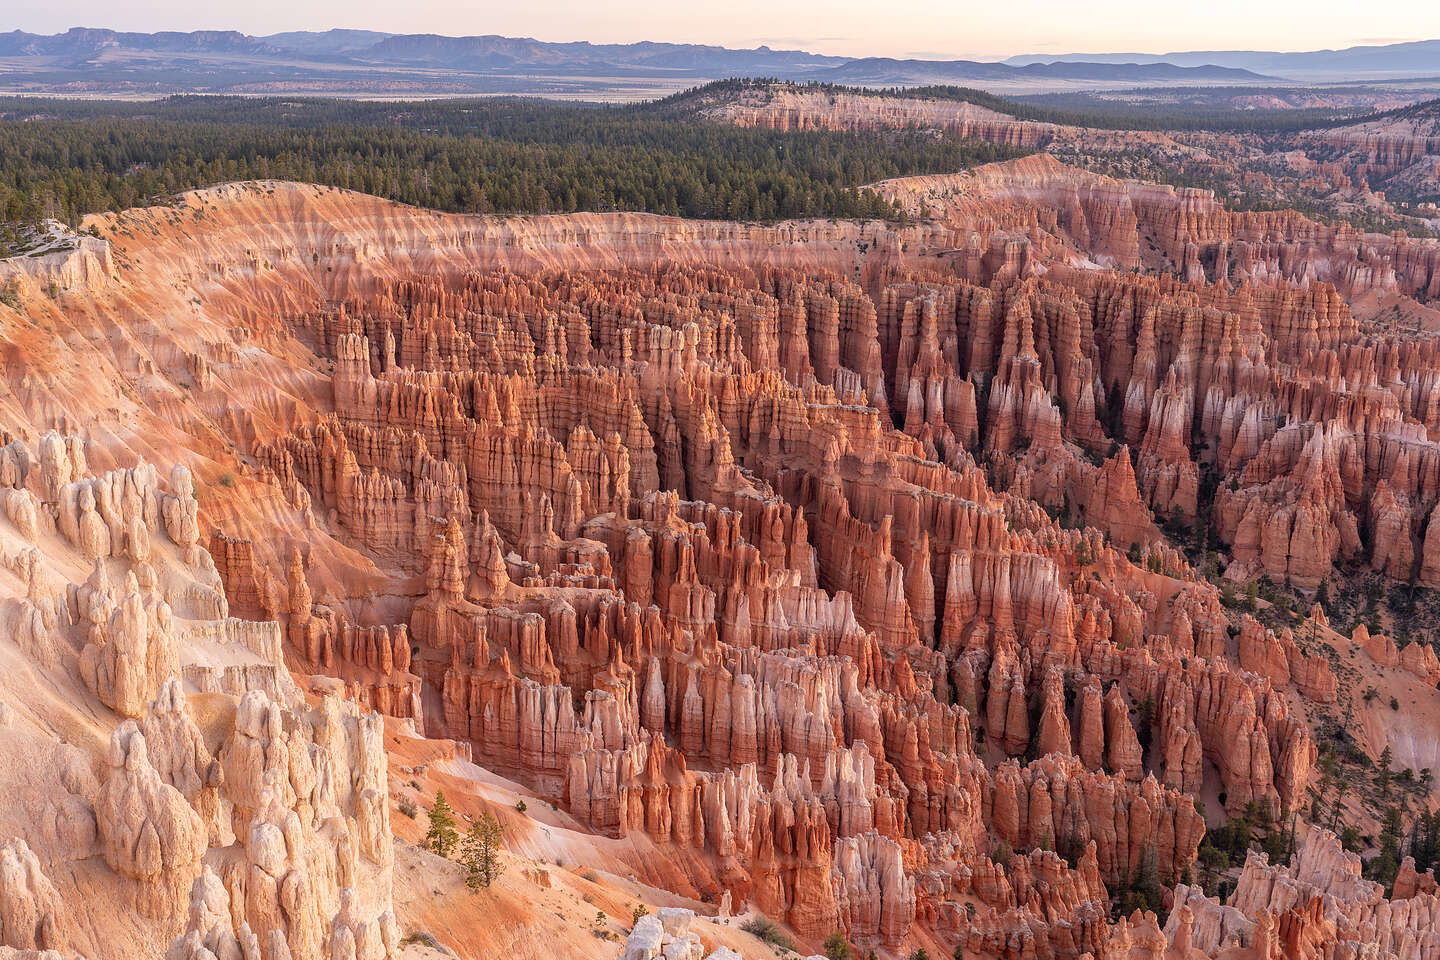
column 64, row 159
column 67, row 158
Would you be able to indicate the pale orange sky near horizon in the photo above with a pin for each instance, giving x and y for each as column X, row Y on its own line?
column 928, row 30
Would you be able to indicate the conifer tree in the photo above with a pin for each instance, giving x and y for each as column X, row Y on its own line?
column 442, row 835
column 480, row 853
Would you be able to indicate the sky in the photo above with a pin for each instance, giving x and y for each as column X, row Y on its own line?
column 930, row 29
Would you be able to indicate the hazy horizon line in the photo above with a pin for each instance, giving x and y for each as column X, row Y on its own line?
column 781, row 44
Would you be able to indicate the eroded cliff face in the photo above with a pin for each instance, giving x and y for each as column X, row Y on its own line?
column 819, row 565
column 1023, row 214
column 1400, row 152
column 779, row 108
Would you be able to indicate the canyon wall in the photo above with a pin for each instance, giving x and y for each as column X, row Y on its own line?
column 825, row 561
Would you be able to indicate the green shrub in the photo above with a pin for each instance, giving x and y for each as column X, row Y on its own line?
column 763, row 928
column 838, row 948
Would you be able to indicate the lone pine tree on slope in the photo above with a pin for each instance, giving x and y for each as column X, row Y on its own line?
column 480, row 853
column 442, row 835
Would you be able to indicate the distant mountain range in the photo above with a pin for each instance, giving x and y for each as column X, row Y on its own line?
column 383, row 49
column 365, row 62
column 368, row 63
column 1419, row 58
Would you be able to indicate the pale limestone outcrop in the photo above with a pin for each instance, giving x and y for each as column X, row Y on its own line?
column 298, row 836
column 309, row 874
column 112, row 514
column 180, row 511
column 37, row 621
column 148, row 832
column 15, row 464
column 22, row 510
column 60, row 460
column 664, row 934
column 32, row 916
column 177, row 750
column 131, row 653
